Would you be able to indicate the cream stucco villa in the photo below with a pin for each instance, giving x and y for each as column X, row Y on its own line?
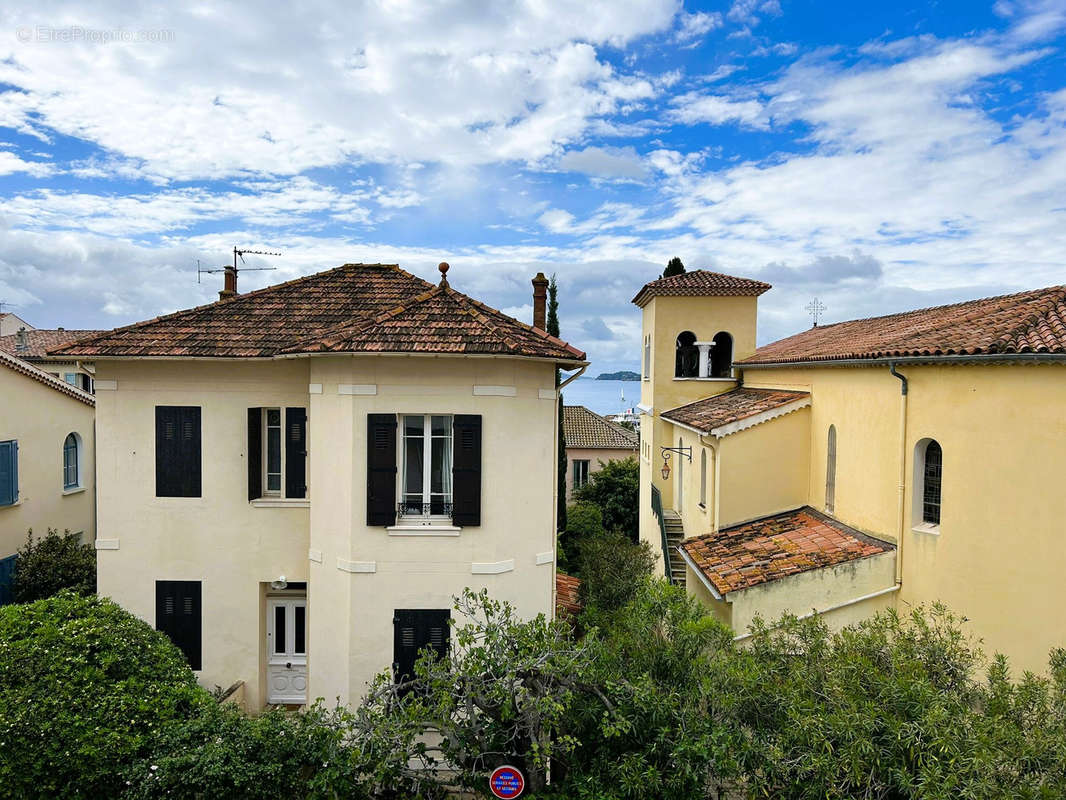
column 881, row 462
column 294, row 482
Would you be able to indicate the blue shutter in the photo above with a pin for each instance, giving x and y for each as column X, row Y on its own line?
column 9, row 473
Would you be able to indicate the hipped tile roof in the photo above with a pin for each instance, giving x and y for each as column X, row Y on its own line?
column 701, row 283
column 52, row 382
column 39, row 341
column 1028, row 322
column 732, row 406
column 775, row 547
column 586, row 429
column 367, row 308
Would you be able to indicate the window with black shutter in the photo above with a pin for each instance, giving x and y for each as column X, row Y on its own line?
column 413, row 631
column 466, row 470
column 178, row 613
column 277, row 453
column 296, row 452
column 177, row 451
column 381, row 470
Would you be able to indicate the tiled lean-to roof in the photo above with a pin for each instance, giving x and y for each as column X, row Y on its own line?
column 39, row 342
column 701, row 283
column 733, row 408
column 52, row 382
column 586, row 429
column 566, row 594
column 775, row 547
column 1028, row 322
column 355, row 308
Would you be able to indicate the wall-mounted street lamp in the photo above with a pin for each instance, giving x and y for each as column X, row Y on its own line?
column 666, row 451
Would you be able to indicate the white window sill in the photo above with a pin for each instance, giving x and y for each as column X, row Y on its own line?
column 405, row 528
column 75, row 490
column 281, row 502
column 719, row 380
column 927, row 527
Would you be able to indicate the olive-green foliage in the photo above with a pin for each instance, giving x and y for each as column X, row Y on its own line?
column 583, row 521
column 612, row 569
column 52, row 563
column 84, row 689
column 615, row 489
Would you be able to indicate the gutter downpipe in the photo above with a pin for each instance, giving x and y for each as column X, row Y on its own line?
column 902, row 510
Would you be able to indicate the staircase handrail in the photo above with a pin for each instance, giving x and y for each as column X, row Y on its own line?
column 657, row 510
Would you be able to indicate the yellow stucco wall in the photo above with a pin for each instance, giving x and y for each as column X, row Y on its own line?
column 40, row 418
column 236, row 548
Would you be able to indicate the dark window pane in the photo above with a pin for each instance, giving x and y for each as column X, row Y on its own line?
column 932, row 480
column 279, row 629
column 299, row 630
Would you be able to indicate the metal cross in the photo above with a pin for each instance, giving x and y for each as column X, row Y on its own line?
column 815, row 309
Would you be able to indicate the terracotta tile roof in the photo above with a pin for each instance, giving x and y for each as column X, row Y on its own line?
column 735, row 405
column 353, row 308
column 587, row 429
column 30, row 371
column 566, row 598
column 39, row 342
column 1028, row 322
column 775, row 547
column 701, row 283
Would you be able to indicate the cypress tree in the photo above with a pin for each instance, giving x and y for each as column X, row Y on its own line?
column 674, row 267
column 552, row 326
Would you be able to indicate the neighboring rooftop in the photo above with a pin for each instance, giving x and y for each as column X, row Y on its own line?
column 566, row 594
column 737, row 409
column 39, row 342
column 700, row 283
column 30, row 371
column 1027, row 322
column 775, row 547
column 586, row 429
column 355, row 308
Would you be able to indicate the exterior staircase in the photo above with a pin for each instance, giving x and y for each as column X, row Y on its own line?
column 675, row 533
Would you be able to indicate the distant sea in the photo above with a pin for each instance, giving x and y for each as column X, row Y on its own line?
column 603, row 397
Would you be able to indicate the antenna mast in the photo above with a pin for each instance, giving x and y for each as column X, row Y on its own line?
column 230, row 287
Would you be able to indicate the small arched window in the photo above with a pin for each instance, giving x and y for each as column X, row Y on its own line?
column 932, row 476
column 703, row 477
column 687, row 359
column 831, row 470
column 72, row 462
column 722, row 355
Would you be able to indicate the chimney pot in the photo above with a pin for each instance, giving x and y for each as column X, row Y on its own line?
column 22, row 342
column 231, row 284
column 540, row 298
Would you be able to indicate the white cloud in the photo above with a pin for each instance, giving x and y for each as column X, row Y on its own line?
column 611, row 163
column 696, row 26
column 717, row 109
column 11, row 163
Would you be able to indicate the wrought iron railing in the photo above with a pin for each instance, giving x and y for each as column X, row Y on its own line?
column 657, row 510
column 412, row 508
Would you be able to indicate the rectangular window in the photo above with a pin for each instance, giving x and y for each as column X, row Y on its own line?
column 647, row 357
column 581, row 473
column 426, row 475
column 413, row 631
column 177, row 451
column 9, row 472
column 178, row 612
column 71, row 378
column 277, row 453
column 272, row 448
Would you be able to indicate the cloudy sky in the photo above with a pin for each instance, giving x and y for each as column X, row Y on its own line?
column 882, row 156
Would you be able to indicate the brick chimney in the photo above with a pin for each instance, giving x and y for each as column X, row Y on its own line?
column 22, row 342
column 230, row 289
column 540, row 299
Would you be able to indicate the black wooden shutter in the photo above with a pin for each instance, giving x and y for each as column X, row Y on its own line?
column 466, row 470
column 296, row 452
column 177, row 451
column 9, row 473
column 413, row 630
column 255, row 453
column 178, row 614
column 381, row 469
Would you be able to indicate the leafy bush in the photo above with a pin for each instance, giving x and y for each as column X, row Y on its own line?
column 615, row 490
column 49, row 565
column 84, row 689
column 612, row 569
column 583, row 521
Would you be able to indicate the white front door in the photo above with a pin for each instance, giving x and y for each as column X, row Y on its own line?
column 287, row 650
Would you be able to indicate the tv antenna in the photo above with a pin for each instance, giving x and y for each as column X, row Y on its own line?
column 815, row 308
column 4, row 305
column 231, row 271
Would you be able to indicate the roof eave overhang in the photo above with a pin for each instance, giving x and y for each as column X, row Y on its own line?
column 563, row 364
column 979, row 358
column 708, row 584
column 747, row 422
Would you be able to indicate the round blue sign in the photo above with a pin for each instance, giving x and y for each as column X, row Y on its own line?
column 507, row 782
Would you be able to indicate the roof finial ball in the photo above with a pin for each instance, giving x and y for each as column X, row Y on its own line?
column 443, row 267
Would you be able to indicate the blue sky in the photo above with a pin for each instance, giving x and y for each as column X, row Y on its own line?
column 880, row 156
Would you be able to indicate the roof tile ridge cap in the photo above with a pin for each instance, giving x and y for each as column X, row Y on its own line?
column 531, row 328
column 407, row 274
column 477, row 311
column 32, row 371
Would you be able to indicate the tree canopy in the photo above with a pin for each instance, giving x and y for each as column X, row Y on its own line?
column 674, row 267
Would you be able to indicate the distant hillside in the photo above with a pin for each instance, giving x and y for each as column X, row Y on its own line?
column 624, row 375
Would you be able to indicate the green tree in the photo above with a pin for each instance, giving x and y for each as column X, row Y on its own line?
column 552, row 326
column 48, row 565
column 674, row 267
column 85, row 687
column 612, row 569
column 615, row 489
column 583, row 521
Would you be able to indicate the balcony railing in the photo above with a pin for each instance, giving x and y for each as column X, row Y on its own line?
column 414, row 508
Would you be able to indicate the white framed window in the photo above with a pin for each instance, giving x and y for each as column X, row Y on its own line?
column 831, row 470
column 273, row 451
column 426, row 473
column 581, row 473
column 928, row 479
column 72, row 462
column 647, row 357
column 703, row 478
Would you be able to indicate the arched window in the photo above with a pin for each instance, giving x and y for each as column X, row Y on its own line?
column 831, row 470
column 722, row 355
column 703, row 477
column 72, row 461
column 932, row 475
column 687, row 359
column 680, row 478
